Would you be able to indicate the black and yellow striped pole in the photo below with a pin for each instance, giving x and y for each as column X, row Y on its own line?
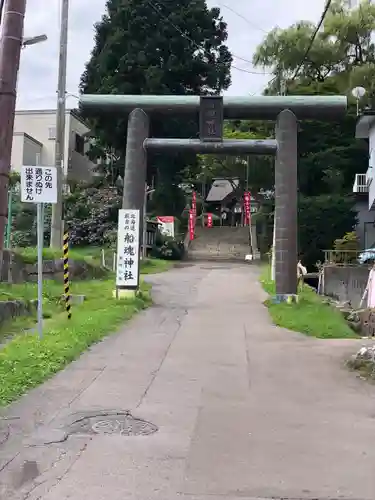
column 66, row 275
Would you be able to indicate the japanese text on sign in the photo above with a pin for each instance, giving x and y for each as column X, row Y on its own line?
column 127, row 274
column 38, row 184
column 191, row 224
column 247, row 198
column 211, row 118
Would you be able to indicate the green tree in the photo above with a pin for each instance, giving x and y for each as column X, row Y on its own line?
column 169, row 47
column 343, row 46
column 92, row 214
column 322, row 220
column 256, row 171
column 329, row 153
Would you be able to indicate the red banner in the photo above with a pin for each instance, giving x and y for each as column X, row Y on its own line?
column 194, row 203
column 209, row 220
column 246, row 204
column 191, row 224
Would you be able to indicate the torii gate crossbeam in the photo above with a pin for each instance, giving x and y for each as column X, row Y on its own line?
column 285, row 110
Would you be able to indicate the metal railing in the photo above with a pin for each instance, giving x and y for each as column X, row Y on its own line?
column 360, row 184
column 343, row 257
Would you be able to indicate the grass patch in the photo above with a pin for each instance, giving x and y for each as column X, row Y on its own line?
column 91, row 255
column 310, row 316
column 30, row 254
column 153, row 266
column 26, row 361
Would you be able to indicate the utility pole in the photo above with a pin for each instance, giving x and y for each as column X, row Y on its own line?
column 57, row 209
column 10, row 50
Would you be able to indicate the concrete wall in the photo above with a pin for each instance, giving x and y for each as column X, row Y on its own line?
column 365, row 229
column 14, row 270
column 345, row 283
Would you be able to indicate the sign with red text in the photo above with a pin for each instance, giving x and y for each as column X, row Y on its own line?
column 166, row 225
column 247, row 210
column 191, row 224
column 194, row 203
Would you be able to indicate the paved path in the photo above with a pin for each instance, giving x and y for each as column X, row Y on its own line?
column 245, row 410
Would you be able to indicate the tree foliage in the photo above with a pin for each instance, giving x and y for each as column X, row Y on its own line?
column 342, row 47
column 329, row 154
column 322, row 220
column 143, row 47
column 256, row 171
column 92, row 215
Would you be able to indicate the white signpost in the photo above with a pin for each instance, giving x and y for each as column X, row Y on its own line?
column 39, row 185
column 128, row 246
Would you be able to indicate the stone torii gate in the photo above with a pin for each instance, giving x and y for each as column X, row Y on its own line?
column 285, row 110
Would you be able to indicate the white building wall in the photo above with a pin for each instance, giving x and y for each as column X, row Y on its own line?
column 82, row 165
column 17, row 152
column 371, row 169
column 41, row 125
column 32, row 152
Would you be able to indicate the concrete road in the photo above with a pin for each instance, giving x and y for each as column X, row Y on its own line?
column 244, row 410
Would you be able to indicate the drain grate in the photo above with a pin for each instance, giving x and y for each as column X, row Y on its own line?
column 123, row 424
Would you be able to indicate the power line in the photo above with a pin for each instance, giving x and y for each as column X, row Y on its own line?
column 165, row 18
column 247, row 61
column 319, row 25
column 243, row 17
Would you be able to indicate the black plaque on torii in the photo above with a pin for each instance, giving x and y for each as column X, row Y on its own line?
column 211, row 118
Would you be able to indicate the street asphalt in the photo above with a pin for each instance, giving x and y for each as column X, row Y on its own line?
column 198, row 398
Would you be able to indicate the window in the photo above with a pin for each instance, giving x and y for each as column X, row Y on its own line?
column 79, row 144
column 52, row 133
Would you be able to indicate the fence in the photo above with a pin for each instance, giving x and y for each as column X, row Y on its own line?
column 343, row 257
column 345, row 283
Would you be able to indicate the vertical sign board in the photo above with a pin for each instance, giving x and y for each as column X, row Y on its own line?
column 247, row 209
column 39, row 186
column 194, row 208
column 128, row 246
column 194, row 202
column 211, row 118
column 191, row 225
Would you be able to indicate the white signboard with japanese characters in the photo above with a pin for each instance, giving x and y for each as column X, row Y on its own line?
column 38, row 184
column 127, row 273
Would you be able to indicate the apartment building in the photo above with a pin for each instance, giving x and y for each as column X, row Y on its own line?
column 34, row 143
column 364, row 184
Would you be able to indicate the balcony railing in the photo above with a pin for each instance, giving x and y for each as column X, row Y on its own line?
column 360, row 184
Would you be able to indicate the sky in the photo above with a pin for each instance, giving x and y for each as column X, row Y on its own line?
column 248, row 22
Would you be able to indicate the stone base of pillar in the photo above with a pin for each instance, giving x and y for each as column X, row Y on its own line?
column 123, row 293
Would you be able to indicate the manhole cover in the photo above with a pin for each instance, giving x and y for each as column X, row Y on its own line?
column 123, row 424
